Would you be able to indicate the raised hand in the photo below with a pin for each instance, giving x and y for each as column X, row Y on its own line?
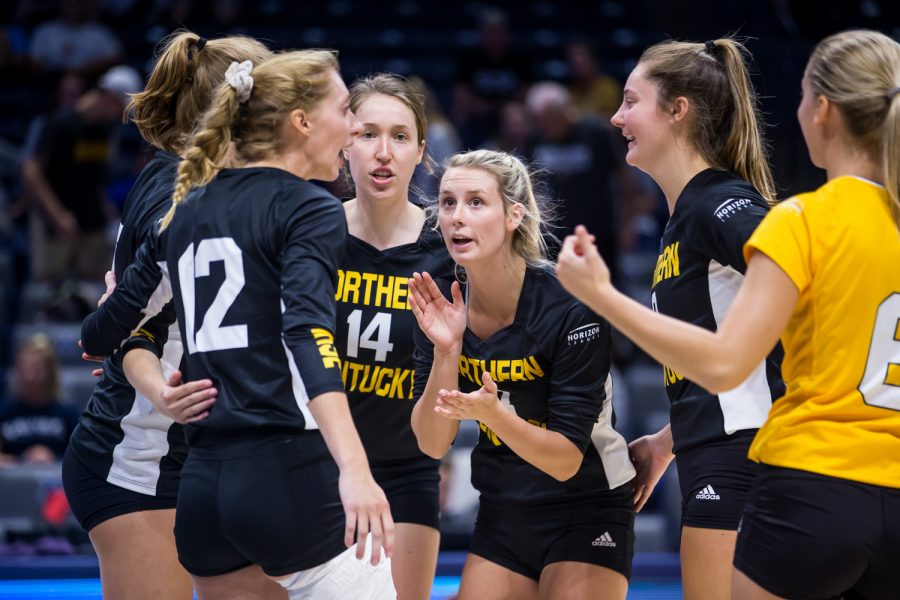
column 581, row 269
column 443, row 322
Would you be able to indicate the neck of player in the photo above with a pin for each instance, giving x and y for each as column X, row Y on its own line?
column 673, row 172
column 494, row 289
column 384, row 223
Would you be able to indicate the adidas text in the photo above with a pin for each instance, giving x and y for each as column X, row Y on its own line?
column 604, row 540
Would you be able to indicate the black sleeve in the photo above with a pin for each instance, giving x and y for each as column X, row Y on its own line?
column 313, row 240
column 724, row 226
column 153, row 334
column 423, row 357
column 142, row 294
column 581, row 363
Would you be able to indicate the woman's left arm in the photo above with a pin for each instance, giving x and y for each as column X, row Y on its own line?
column 719, row 360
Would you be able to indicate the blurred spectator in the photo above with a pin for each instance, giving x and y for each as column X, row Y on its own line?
column 66, row 176
column 488, row 76
column 75, row 41
column 514, row 132
column 34, row 426
column 441, row 141
column 582, row 166
column 69, row 89
column 593, row 92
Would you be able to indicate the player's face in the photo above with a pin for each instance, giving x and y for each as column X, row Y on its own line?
column 644, row 125
column 805, row 115
column 333, row 128
column 472, row 216
column 386, row 151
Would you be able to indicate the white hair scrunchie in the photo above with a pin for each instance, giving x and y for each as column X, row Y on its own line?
column 238, row 76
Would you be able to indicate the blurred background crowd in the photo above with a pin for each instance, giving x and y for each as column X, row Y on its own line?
column 535, row 77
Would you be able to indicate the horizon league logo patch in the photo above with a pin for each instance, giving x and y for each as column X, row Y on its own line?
column 583, row 334
column 730, row 207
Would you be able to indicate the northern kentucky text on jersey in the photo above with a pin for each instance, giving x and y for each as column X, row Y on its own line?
column 387, row 382
column 372, row 289
column 515, row 369
column 667, row 264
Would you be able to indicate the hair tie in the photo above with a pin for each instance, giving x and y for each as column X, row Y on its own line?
column 892, row 93
column 710, row 46
column 238, row 76
column 201, row 42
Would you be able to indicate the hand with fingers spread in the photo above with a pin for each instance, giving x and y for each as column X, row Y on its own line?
column 480, row 405
column 367, row 512
column 186, row 402
column 443, row 322
column 581, row 269
column 651, row 456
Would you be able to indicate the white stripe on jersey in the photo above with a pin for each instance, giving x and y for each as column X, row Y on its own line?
column 135, row 460
column 158, row 299
column 747, row 405
column 300, row 395
column 611, row 445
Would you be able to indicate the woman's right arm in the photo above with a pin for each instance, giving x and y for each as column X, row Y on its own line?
column 444, row 324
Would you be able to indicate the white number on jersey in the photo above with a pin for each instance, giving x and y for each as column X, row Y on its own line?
column 380, row 325
column 192, row 265
column 880, row 385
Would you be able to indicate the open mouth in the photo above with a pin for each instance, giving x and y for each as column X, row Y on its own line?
column 460, row 240
column 382, row 176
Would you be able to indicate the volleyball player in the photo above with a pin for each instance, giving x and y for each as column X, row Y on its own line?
column 388, row 240
column 821, row 520
column 689, row 114
column 247, row 244
column 531, row 365
column 122, row 468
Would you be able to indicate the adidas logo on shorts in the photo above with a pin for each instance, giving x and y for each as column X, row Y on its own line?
column 604, row 540
column 708, row 493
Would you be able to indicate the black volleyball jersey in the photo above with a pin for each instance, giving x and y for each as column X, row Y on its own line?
column 698, row 273
column 551, row 366
column 252, row 259
column 120, row 436
column 374, row 337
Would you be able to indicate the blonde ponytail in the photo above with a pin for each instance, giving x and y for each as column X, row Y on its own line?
column 204, row 158
column 859, row 71
column 713, row 77
column 187, row 72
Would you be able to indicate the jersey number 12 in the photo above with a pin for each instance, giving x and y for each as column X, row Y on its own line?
column 194, row 264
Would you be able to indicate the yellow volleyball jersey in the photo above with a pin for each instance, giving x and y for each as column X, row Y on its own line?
column 840, row 415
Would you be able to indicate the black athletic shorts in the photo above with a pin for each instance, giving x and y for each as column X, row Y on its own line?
column 525, row 539
column 411, row 487
column 808, row 536
column 94, row 500
column 271, row 500
column 715, row 479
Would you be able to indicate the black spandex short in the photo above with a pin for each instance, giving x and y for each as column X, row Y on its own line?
column 411, row 487
column 272, row 501
column 94, row 500
column 808, row 536
column 525, row 539
column 715, row 479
